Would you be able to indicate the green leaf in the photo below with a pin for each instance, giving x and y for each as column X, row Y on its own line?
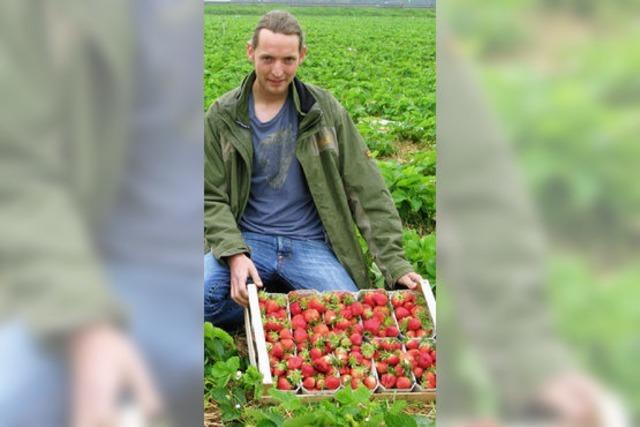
column 397, row 407
column 399, row 420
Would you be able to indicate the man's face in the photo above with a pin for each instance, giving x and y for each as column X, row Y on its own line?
column 276, row 60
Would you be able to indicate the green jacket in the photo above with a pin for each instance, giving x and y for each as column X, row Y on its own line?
column 344, row 182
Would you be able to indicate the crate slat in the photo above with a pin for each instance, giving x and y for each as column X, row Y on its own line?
column 431, row 300
column 258, row 331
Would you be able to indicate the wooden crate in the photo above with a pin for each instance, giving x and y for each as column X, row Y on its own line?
column 259, row 357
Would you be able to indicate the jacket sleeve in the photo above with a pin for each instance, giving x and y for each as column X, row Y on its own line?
column 51, row 277
column 222, row 235
column 370, row 202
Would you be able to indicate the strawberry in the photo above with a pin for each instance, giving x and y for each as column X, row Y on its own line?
column 298, row 321
column 356, row 308
column 401, row 313
column 284, row 384
column 279, row 369
column 315, row 304
column 431, row 379
column 370, row 382
column 311, row 315
column 380, row 298
column 332, row 382
column 322, row 364
column 285, row 333
column 355, row 383
column 403, row 383
column 294, row 362
column 300, row 335
column 287, row 345
column 382, row 367
column 277, row 350
column 413, row 324
column 309, row 383
column 315, row 353
column 388, row 381
column 295, row 308
column 356, row 339
column 307, row 370
column 271, row 306
column 391, row 331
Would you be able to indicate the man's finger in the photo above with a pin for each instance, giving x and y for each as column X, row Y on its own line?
column 242, row 293
column 255, row 276
column 234, row 290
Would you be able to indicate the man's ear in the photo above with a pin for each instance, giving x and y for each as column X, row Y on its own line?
column 250, row 52
column 303, row 54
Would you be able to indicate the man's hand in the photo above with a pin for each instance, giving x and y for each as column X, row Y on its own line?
column 104, row 365
column 241, row 267
column 412, row 280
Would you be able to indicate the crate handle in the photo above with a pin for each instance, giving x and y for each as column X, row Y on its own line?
column 258, row 331
column 431, row 300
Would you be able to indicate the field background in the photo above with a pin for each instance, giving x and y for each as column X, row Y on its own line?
column 380, row 64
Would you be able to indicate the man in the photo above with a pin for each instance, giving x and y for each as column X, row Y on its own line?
column 287, row 179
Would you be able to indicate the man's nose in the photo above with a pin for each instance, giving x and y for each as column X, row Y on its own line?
column 277, row 70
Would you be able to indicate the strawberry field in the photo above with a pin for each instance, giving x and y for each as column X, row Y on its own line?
column 380, row 64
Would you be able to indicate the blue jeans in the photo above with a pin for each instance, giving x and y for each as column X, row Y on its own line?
column 295, row 264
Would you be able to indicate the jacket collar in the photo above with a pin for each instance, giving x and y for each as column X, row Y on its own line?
column 302, row 98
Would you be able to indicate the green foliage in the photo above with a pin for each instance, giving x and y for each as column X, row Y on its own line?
column 347, row 408
column 413, row 192
column 421, row 252
column 383, row 69
column 227, row 378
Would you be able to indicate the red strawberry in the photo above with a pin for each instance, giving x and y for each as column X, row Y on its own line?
column 391, row 331
column 424, row 361
column 370, row 382
column 402, row 312
column 322, row 364
column 277, row 350
column 294, row 362
column 315, row 304
column 285, row 333
column 403, row 382
column 388, row 381
column 356, row 309
column 355, row 383
column 382, row 367
column 298, row 321
column 271, row 306
column 309, row 383
column 431, row 379
column 413, row 324
column 356, row 339
column 300, row 335
column 332, row 382
column 287, row 345
column 315, row 353
column 307, row 370
column 412, row 344
column 380, row 298
column 283, row 383
column 295, row 308
column 311, row 315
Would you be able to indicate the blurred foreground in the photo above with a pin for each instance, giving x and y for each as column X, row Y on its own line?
column 101, row 212
column 538, row 117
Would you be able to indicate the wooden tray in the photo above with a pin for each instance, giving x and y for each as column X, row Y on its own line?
column 259, row 357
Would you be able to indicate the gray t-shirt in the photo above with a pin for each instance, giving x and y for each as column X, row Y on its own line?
column 279, row 202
